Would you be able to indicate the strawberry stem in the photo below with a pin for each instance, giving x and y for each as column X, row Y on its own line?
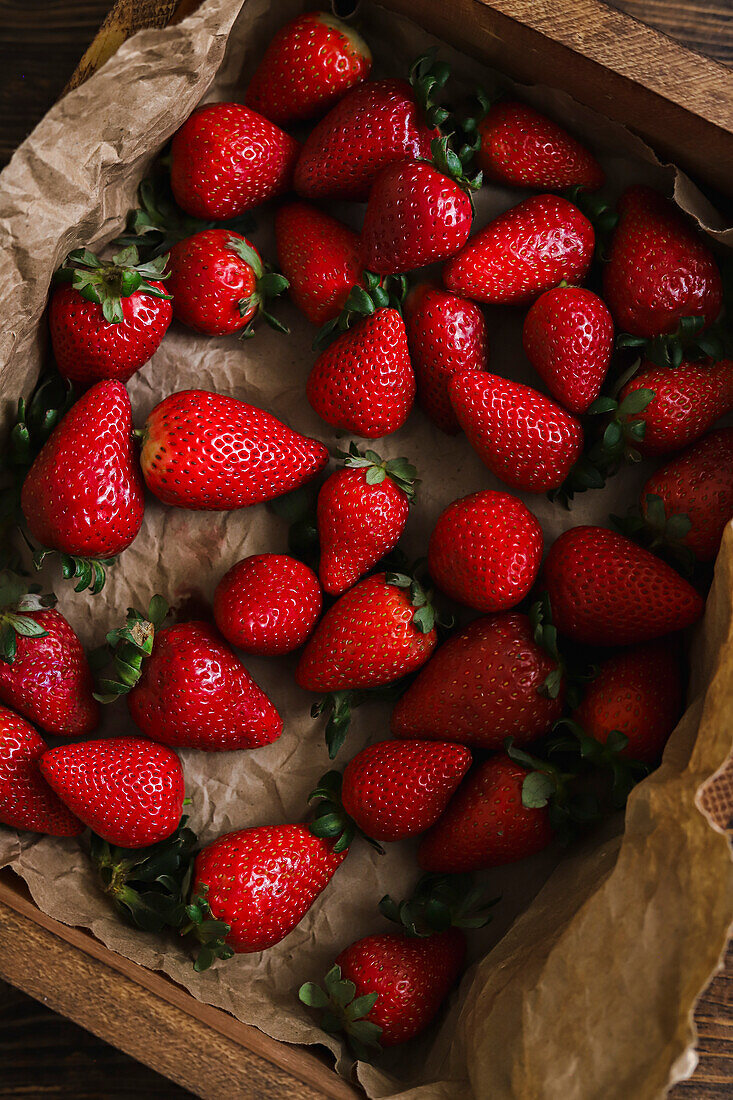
column 331, row 819
column 16, row 601
column 127, row 647
column 399, row 470
column 107, row 282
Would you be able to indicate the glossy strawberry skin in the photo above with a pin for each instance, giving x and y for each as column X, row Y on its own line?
column 366, row 639
column 88, row 348
column 568, row 339
column 482, row 686
column 659, row 269
column 262, row 881
column 50, row 682
column 319, row 256
column 194, row 693
column 523, row 252
column 522, row 436
column 128, row 790
column 308, row 66
column 412, row 977
column 375, row 123
column 267, row 604
column 208, row 280
column 84, row 494
column 395, row 789
column 363, row 382
column 486, row 824
column 606, row 590
column 485, row 551
column 210, row 452
column 26, row 800
column 226, row 159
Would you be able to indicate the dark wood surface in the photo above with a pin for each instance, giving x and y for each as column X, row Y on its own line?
column 43, row 1054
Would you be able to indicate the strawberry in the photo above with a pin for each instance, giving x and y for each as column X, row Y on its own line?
column 309, row 65
column 568, row 339
column 206, row 451
column 362, row 512
column 606, row 590
column 489, row 681
column 659, row 269
column 319, row 256
column 446, row 335
column 267, row 604
column 522, row 436
column 26, row 800
column 107, row 317
column 485, row 551
column 226, row 159
column 528, row 249
column 220, row 284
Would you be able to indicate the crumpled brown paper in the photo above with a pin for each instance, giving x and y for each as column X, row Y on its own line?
column 588, row 992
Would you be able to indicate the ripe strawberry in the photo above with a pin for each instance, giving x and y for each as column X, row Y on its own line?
column 319, row 256
column 483, row 685
column 267, row 604
column 486, row 823
column 446, row 335
column 568, row 339
column 26, row 800
column 127, row 790
column 522, row 436
column 226, row 159
column 107, row 317
column 363, row 382
column 526, row 250
column 606, row 590
column 220, row 284
column 659, row 269
column 83, row 495
column 206, row 451
column 309, row 65
column 362, row 512
column 485, row 551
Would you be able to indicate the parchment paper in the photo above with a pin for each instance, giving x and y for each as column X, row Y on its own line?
column 589, row 992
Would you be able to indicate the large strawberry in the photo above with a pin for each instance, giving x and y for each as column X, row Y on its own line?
column 127, row 790
column 606, row 590
column 107, row 317
column 659, row 269
column 309, row 64
column 207, row 451
column 528, row 249
column 319, row 256
column 522, row 436
column 267, row 604
column 226, row 159
column 26, row 800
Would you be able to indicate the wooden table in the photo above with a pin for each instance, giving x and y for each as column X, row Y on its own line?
column 43, row 1054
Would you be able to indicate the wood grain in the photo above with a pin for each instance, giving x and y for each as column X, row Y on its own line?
column 702, row 25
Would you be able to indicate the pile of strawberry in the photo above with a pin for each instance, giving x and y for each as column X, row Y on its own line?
column 581, row 658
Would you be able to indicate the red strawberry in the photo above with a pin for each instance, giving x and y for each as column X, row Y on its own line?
column 220, row 284
column 486, row 823
column 206, row 451
column 194, row 693
column 483, row 685
column 26, row 800
column 525, row 251
column 128, row 790
column 606, row 590
column 107, row 317
column 83, row 494
column 446, row 335
column 363, row 382
column 659, row 269
column 226, row 159
column 362, row 512
column 310, row 64
column 319, row 256
column 485, row 551
column 522, row 436
column 568, row 339
column 375, row 123
column 268, row 604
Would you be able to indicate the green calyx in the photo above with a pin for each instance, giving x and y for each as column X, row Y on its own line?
column 342, row 1012
column 268, row 284
column 547, row 786
column 210, row 933
column 625, row 773
column 660, row 533
column 127, row 648
column 688, row 341
column 331, row 819
column 107, row 282
column 338, row 705
column 455, row 165
column 545, row 635
column 398, row 470
column 16, row 601
column 599, row 212
column 428, row 76
column 425, row 617
column 377, row 292
column 440, row 902
column 89, row 573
